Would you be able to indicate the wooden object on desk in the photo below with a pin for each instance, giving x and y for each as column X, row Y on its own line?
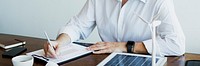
column 89, row 60
column 7, row 44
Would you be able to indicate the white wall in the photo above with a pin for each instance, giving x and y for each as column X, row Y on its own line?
column 188, row 12
column 32, row 17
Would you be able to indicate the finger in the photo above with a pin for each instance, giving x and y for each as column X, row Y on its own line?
column 57, row 49
column 45, row 49
column 98, row 47
column 100, row 42
column 92, row 46
column 103, row 51
column 49, row 55
column 51, row 51
column 89, row 48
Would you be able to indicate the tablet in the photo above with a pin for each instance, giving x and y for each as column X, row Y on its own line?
column 128, row 59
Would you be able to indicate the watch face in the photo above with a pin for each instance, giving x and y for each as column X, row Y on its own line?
column 130, row 45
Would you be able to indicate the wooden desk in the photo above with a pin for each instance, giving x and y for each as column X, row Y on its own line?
column 89, row 60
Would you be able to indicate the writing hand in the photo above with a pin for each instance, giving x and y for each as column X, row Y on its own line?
column 53, row 53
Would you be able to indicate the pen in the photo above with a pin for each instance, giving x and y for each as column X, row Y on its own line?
column 51, row 46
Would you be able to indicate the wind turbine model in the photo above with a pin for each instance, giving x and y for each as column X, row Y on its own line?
column 154, row 24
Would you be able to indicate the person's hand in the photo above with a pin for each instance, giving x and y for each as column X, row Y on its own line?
column 51, row 52
column 62, row 40
column 108, row 47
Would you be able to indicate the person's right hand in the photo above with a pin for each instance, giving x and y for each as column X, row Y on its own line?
column 50, row 52
column 62, row 40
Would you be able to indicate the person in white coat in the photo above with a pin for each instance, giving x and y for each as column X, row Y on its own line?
column 123, row 26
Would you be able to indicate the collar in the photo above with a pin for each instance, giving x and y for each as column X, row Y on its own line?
column 144, row 1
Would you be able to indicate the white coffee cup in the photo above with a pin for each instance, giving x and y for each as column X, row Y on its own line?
column 22, row 60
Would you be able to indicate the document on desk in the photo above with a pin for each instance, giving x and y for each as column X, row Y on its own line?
column 67, row 53
column 127, row 59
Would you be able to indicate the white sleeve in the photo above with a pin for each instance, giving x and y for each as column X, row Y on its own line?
column 81, row 25
column 170, row 38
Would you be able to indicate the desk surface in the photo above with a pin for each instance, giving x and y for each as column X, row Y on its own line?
column 89, row 60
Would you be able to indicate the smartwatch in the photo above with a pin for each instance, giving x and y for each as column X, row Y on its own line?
column 129, row 46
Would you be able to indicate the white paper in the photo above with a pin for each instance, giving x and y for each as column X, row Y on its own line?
column 66, row 53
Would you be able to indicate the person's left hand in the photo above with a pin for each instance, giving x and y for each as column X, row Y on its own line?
column 108, row 47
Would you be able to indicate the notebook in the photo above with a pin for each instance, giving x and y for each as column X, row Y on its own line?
column 7, row 44
column 67, row 53
column 127, row 59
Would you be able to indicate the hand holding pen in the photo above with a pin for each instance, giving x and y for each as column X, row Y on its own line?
column 51, row 48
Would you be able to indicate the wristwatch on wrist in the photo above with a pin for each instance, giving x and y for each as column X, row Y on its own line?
column 130, row 45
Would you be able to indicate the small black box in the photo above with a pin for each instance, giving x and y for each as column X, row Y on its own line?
column 14, row 52
column 192, row 63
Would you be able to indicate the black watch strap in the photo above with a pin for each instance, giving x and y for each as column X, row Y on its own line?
column 130, row 45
